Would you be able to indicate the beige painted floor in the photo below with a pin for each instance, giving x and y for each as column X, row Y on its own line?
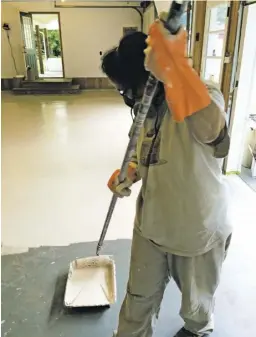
column 57, row 155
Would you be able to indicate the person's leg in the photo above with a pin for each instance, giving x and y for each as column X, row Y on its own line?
column 198, row 278
column 147, row 281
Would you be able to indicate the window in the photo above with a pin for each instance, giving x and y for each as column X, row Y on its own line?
column 214, row 42
column 27, row 27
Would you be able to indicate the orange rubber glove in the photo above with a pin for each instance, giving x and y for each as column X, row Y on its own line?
column 122, row 189
column 166, row 60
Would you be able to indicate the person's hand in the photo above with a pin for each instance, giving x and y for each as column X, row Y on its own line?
column 166, row 58
column 122, row 189
column 164, row 50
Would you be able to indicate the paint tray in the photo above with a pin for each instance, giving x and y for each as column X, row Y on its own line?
column 91, row 282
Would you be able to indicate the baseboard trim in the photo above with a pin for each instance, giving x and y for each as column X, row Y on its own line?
column 6, row 84
column 93, row 82
column 84, row 82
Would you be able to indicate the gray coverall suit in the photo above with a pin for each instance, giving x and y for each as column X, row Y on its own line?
column 181, row 226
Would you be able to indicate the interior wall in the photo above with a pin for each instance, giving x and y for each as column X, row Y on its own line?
column 10, row 14
column 85, row 33
column 148, row 18
column 162, row 6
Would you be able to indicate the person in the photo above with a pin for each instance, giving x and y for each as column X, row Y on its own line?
column 181, row 228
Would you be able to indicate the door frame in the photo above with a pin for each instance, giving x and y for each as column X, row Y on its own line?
column 232, row 116
column 190, row 26
column 198, row 34
column 231, row 49
column 62, row 54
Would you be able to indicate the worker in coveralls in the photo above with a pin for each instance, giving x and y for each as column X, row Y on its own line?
column 181, row 227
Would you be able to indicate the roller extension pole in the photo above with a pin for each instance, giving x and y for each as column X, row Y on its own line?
column 173, row 25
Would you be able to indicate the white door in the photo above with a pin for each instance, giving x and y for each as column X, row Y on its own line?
column 215, row 32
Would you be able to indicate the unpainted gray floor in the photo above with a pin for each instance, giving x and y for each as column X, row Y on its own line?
column 33, row 286
column 246, row 176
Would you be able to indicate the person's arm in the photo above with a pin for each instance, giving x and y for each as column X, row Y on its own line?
column 187, row 96
column 208, row 125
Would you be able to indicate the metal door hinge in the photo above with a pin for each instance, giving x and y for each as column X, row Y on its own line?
column 227, row 57
column 228, row 11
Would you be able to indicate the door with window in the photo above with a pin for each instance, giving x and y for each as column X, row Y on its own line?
column 29, row 41
column 215, row 33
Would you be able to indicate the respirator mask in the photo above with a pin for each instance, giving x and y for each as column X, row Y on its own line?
column 128, row 97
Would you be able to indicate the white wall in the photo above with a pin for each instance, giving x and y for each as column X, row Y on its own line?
column 85, row 32
column 9, row 15
column 148, row 18
column 244, row 100
column 89, row 31
column 162, row 6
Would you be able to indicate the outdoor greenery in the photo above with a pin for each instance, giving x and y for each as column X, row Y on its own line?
column 53, row 38
column 54, row 42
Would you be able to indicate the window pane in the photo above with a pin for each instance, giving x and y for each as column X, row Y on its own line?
column 212, row 70
column 27, row 32
column 183, row 19
column 218, row 17
column 215, row 44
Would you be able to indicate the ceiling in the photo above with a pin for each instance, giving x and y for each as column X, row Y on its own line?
column 123, row 3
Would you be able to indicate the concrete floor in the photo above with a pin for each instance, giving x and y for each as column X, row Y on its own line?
column 57, row 155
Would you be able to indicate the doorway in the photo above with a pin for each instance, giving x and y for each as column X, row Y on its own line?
column 42, row 44
column 242, row 155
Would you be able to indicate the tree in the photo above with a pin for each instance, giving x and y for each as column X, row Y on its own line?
column 54, row 42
